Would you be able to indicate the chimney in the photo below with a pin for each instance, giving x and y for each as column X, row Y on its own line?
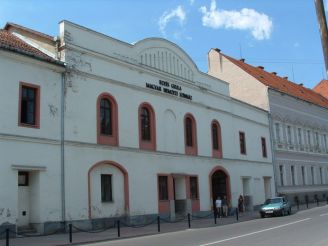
column 242, row 60
column 274, row 73
column 286, row 77
column 261, row 67
column 217, row 50
column 301, row 84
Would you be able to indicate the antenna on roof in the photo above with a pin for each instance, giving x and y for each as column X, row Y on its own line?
column 240, row 51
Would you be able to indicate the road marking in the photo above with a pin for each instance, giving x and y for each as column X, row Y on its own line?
column 323, row 214
column 256, row 232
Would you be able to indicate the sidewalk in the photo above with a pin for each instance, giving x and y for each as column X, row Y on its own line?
column 128, row 232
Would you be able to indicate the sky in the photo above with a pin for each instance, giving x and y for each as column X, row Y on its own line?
column 281, row 35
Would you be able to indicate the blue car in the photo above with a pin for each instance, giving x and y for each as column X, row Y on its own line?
column 277, row 206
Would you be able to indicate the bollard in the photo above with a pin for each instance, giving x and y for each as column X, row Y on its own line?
column 7, row 237
column 70, row 233
column 318, row 202
column 298, row 205
column 214, row 217
column 307, row 203
column 189, row 220
column 118, row 229
column 237, row 215
column 158, row 224
column 327, row 200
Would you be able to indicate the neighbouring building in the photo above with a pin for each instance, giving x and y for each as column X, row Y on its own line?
column 298, row 119
column 124, row 131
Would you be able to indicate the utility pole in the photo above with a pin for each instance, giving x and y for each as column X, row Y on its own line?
column 323, row 29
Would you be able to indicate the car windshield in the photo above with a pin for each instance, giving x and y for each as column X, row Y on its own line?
column 273, row 200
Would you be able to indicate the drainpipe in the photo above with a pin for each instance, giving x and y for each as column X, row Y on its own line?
column 273, row 152
column 62, row 147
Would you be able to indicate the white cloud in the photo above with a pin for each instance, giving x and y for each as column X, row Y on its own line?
column 259, row 24
column 177, row 13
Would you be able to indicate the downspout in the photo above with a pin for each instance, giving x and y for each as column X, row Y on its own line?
column 273, row 153
column 62, row 147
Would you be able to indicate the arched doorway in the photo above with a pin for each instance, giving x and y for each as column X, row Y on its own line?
column 219, row 183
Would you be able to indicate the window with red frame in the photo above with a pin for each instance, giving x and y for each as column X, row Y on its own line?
column 29, row 105
column 145, row 124
column 189, row 132
column 193, row 188
column 106, row 123
column 163, row 192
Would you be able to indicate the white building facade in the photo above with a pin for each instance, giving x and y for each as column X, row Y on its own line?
column 143, row 132
column 299, row 124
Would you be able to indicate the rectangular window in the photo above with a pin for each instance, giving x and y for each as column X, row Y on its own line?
column 309, row 137
column 312, row 174
column 281, row 172
column 106, row 188
column 303, row 175
column 264, row 149
column 29, row 105
column 299, row 131
column 194, row 188
column 292, row 170
column 242, row 142
column 23, row 178
column 163, row 188
column 325, row 142
column 289, row 135
column 317, row 139
column 321, row 178
column 277, row 132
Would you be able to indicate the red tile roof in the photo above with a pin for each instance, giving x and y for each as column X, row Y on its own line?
column 322, row 88
column 10, row 42
column 281, row 84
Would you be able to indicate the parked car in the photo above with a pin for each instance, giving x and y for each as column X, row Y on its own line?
column 277, row 206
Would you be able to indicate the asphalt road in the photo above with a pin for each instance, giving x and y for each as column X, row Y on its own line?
column 308, row 228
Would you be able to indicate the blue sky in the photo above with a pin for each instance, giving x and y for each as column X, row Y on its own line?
column 281, row 35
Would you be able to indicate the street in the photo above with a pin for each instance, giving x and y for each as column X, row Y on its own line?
column 307, row 227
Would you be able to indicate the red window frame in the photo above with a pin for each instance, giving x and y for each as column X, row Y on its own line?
column 216, row 152
column 147, row 144
column 190, row 150
column 105, row 139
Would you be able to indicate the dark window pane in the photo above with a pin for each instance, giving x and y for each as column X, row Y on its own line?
column 145, row 124
column 242, row 143
column 215, row 138
column 193, row 187
column 163, row 188
column 23, row 178
column 106, row 188
column 188, row 127
column 28, row 105
column 264, row 150
column 106, row 125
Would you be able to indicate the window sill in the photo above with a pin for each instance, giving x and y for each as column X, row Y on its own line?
column 36, row 126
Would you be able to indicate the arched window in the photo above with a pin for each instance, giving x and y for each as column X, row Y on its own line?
column 147, row 127
column 216, row 139
column 107, row 120
column 190, row 135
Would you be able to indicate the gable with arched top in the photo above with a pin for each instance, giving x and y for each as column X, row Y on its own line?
column 166, row 56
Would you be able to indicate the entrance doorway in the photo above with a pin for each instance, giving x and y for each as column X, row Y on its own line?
column 180, row 196
column 220, row 184
column 23, row 199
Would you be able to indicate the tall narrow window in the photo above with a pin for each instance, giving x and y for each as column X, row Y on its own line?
column 312, row 174
column 289, row 135
column 317, row 139
column 303, row 175
column 325, row 142
column 194, row 188
column 29, row 105
column 242, row 143
column 106, row 188
column 106, row 123
column 190, row 135
column 264, row 148
column 216, row 139
column 292, row 171
column 107, row 120
column 277, row 126
column 281, row 174
column 163, row 192
column 147, row 127
column 299, row 135
column 309, row 137
column 321, row 177
column 145, row 124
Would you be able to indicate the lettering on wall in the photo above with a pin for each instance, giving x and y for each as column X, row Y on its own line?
column 169, row 88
